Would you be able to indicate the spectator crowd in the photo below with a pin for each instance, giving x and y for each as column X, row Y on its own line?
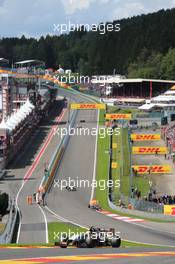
column 164, row 199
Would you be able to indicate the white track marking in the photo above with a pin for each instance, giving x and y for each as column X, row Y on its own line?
column 25, row 180
column 86, row 227
column 44, row 215
column 46, row 225
column 63, row 219
column 92, row 194
column 138, row 224
column 17, row 197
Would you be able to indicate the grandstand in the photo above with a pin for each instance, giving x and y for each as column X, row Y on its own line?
column 30, row 67
column 132, row 88
column 163, row 102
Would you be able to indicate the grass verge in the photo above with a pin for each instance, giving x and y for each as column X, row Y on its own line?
column 102, row 174
column 122, row 156
column 124, row 244
column 58, row 229
column 2, row 227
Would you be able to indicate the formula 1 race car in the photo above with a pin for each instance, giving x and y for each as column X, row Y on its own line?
column 94, row 205
column 71, row 188
column 95, row 237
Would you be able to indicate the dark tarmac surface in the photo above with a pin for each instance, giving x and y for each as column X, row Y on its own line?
column 78, row 162
column 96, row 255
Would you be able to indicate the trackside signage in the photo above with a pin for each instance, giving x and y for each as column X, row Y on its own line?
column 145, row 137
column 87, row 106
column 169, row 209
column 149, row 150
column 114, row 165
column 155, row 169
column 118, row 116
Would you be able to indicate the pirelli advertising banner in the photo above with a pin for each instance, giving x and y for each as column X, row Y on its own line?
column 154, row 169
column 145, row 137
column 149, row 150
column 118, row 116
column 169, row 209
column 87, row 106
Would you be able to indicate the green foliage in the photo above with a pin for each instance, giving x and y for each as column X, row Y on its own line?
column 168, row 65
column 141, row 48
column 149, row 67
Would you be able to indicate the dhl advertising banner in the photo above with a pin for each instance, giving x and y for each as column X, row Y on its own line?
column 149, row 150
column 145, row 137
column 155, row 169
column 118, row 116
column 87, row 106
column 169, row 209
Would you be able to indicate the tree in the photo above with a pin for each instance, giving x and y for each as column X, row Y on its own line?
column 168, row 65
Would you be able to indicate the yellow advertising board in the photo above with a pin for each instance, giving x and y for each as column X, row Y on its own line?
column 114, row 145
column 145, row 137
column 154, row 169
column 114, row 165
column 87, row 106
column 169, row 209
column 118, row 116
column 149, row 150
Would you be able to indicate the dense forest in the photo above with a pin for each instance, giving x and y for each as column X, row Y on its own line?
column 144, row 47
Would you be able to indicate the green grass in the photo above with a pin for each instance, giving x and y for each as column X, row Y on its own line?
column 102, row 117
column 103, row 170
column 55, row 229
column 66, row 227
column 2, row 227
column 124, row 244
column 116, row 109
column 27, row 245
column 122, row 156
column 124, row 161
column 115, row 172
column 142, row 183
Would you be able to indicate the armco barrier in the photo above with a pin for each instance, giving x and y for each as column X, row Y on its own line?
column 55, row 161
column 7, row 235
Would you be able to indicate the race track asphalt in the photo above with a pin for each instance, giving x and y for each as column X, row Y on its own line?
column 78, row 161
column 100, row 255
column 32, row 225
